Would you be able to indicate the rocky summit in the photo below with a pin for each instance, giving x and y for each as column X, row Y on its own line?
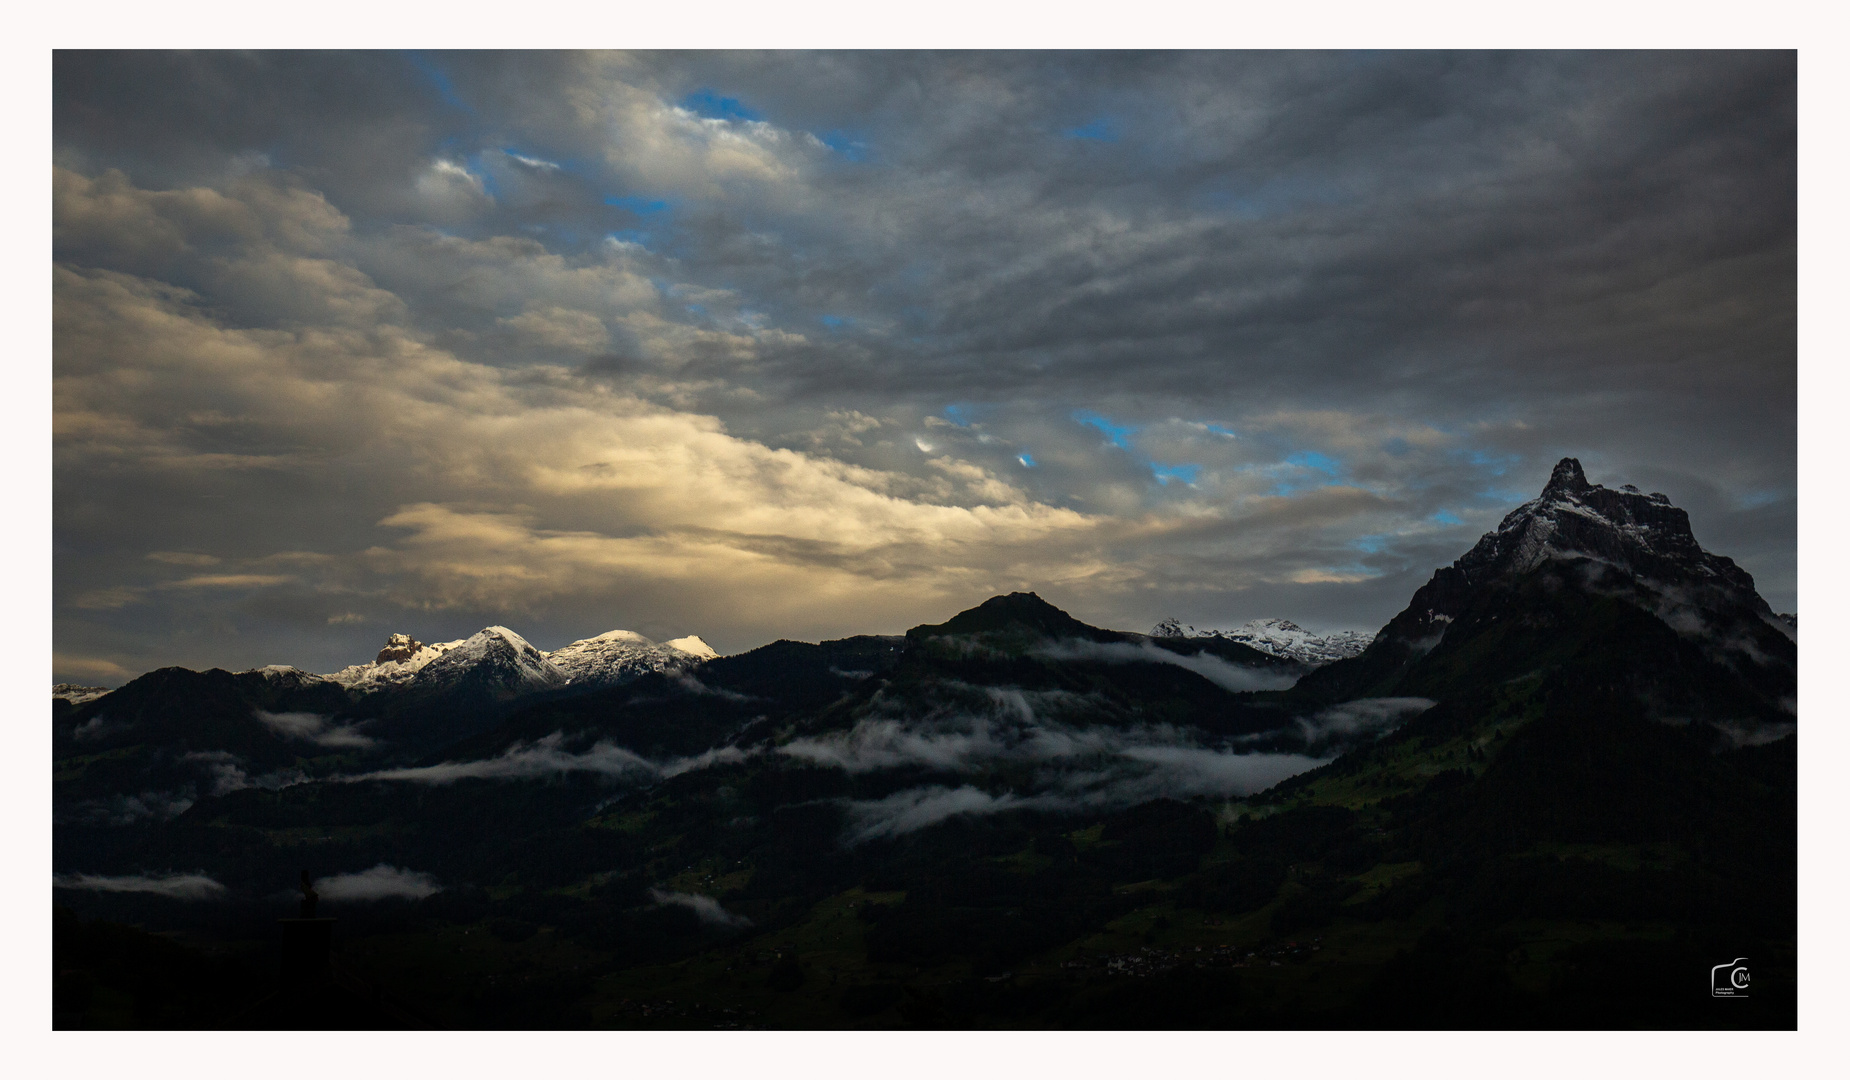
column 1587, row 578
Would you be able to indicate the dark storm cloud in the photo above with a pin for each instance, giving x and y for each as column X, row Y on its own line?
column 1346, row 310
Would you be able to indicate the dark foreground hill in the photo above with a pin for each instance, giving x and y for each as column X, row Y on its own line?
column 1557, row 791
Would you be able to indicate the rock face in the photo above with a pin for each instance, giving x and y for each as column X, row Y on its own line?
column 1619, row 536
column 1642, row 535
column 1595, row 580
column 398, row 647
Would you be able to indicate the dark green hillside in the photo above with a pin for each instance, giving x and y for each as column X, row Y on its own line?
column 1013, row 819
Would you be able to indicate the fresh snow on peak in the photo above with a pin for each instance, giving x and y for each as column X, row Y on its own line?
column 404, row 659
column 1286, row 639
column 1617, row 543
column 1641, row 534
column 514, row 665
column 1280, row 637
column 497, row 656
column 621, row 655
column 397, row 664
column 630, row 636
column 77, row 695
column 287, row 675
column 693, row 646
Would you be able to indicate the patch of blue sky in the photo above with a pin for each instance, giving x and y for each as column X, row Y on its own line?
column 1503, row 495
column 1311, row 459
column 1286, row 486
column 1495, row 464
column 1373, row 545
column 1221, row 430
column 1446, row 517
column 641, row 205
column 1119, row 434
column 483, row 176
column 961, row 415
column 1026, row 459
column 708, row 103
column 834, row 322
column 845, row 145
column 1186, row 473
column 1103, row 129
column 439, row 80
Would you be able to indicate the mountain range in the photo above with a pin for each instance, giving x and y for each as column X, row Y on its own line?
column 1279, row 637
column 1557, row 783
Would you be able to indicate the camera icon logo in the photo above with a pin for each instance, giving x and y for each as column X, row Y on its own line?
column 1730, row 979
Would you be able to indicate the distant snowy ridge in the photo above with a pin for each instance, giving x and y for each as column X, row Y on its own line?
column 77, row 695
column 609, row 658
column 620, row 655
column 1281, row 638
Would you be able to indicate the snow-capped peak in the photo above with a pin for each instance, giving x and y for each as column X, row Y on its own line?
column 1280, row 637
column 614, row 656
column 397, row 664
column 620, row 655
column 1639, row 533
column 77, row 695
column 693, row 646
column 499, row 656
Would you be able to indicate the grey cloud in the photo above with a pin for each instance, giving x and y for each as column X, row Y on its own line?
column 917, row 808
column 129, row 809
column 1072, row 767
column 1439, row 271
column 1222, row 673
column 381, row 882
column 707, row 908
column 1363, row 716
column 314, row 728
column 1140, row 773
column 226, row 772
column 175, row 886
column 545, row 757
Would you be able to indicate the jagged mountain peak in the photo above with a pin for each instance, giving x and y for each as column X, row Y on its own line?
column 1605, row 577
column 1637, row 533
column 398, row 647
column 1567, row 477
column 496, row 657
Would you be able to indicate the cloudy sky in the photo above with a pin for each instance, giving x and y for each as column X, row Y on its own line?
column 803, row 345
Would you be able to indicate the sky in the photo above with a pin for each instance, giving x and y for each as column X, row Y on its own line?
column 802, row 345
